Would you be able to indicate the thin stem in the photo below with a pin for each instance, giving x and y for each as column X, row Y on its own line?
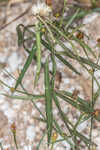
column 92, row 106
column 61, row 21
column 52, row 146
column 49, row 30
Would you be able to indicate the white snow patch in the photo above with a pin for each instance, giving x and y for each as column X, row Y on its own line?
column 30, row 133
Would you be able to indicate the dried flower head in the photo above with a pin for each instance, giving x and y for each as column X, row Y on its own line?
column 13, row 127
column 80, row 35
column 41, row 9
column 75, row 94
column 98, row 42
column 48, row 2
column 97, row 112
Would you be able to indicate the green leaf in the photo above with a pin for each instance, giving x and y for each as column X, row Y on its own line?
column 60, row 57
column 27, row 97
column 38, row 53
column 84, row 45
column 15, row 141
column 78, row 99
column 61, row 112
column 69, row 22
column 82, row 60
column 96, row 95
column 28, row 62
column 85, row 117
column 20, row 35
column 40, row 142
column 53, row 72
column 48, row 101
column 67, row 122
column 61, row 133
column 67, row 63
column 76, row 103
column 89, row 62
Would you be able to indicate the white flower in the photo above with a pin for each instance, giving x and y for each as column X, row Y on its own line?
column 41, row 9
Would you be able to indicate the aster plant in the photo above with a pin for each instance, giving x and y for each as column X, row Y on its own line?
column 50, row 30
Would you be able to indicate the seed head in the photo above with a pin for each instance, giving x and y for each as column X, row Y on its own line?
column 13, row 127
column 41, row 9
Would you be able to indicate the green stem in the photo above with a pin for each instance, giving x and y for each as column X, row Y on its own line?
column 38, row 52
column 14, row 135
column 92, row 107
column 61, row 21
column 52, row 146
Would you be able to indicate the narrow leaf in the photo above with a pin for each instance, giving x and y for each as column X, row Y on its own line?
column 19, row 34
column 38, row 53
column 83, row 60
column 84, row 46
column 78, row 99
column 48, row 101
column 66, row 121
column 27, row 97
column 40, row 142
column 60, row 57
column 69, row 22
column 76, row 104
column 28, row 62
column 67, row 63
